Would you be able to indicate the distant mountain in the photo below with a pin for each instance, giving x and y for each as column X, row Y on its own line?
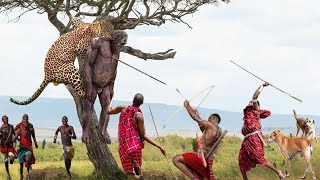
column 47, row 113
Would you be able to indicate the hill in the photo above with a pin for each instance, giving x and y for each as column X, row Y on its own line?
column 46, row 113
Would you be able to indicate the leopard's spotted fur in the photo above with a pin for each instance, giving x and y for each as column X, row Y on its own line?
column 59, row 62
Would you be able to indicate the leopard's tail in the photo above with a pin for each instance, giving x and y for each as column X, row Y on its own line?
column 34, row 96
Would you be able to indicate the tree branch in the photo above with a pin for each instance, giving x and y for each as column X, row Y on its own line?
column 153, row 56
column 128, row 14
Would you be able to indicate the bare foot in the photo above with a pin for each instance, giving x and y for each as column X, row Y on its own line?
column 106, row 137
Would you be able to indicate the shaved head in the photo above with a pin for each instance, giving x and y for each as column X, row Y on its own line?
column 138, row 99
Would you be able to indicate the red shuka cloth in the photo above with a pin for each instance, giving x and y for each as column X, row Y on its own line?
column 194, row 164
column 7, row 150
column 252, row 148
column 128, row 133
column 25, row 140
column 132, row 160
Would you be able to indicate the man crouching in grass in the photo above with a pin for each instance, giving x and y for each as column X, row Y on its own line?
column 131, row 136
column 194, row 164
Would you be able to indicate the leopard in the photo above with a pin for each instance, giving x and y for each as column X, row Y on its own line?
column 59, row 62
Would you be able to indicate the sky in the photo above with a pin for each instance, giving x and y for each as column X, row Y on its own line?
column 276, row 40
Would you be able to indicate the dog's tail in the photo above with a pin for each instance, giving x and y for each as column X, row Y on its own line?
column 295, row 114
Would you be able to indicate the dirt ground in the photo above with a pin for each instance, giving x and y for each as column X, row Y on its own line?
column 51, row 174
column 158, row 175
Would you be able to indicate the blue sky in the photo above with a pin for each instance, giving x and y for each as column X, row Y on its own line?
column 277, row 40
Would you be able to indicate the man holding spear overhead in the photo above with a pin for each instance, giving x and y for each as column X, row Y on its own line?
column 252, row 148
column 131, row 136
column 198, row 165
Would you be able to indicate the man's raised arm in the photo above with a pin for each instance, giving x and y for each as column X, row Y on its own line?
column 258, row 91
column 195, row 116
column 256, row 95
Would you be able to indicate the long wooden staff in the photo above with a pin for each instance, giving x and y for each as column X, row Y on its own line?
column 154, row 123
column 266, row 81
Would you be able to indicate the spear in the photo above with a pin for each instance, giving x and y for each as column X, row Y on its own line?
column 266, row 81
column 139, row 70
column 154, row 123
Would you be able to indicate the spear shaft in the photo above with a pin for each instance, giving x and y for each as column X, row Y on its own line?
column 139, row 70
column 154, row 123
column 266, row 81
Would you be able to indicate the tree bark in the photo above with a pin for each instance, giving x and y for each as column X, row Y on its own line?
column 153, row 56
column 98, row 151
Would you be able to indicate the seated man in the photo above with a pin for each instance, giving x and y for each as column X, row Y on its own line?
column 131, row 137
column 194, row 164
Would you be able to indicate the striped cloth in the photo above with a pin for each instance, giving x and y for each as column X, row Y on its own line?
column 132, row 160
column 128, row 133
column 194, row 164
column 252, row 148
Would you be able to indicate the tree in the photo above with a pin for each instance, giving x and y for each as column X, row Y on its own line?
column 123, row 14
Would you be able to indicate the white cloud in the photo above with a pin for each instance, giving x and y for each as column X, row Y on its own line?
column 276, row 40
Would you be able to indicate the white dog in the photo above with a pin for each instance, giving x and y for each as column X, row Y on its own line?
column 310, row 129
column 306, row 125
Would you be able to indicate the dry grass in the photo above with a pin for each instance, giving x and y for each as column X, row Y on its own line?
column 50, row 161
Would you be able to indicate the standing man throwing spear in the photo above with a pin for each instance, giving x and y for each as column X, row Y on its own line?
column 252, row 148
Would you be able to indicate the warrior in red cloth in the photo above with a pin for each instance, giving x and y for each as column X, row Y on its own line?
column 131, row 136
column 252, row 148
column 6, row 148
column 194, row 164
column 25, row 131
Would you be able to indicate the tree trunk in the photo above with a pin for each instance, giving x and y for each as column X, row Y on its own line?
column 98, row 151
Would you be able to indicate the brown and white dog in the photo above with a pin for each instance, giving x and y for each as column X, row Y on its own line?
column 291, row 147
column 307, row 127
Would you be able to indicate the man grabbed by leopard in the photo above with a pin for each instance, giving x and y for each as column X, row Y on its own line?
column 100, row 73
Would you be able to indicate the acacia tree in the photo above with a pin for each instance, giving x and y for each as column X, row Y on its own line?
column 123, row 14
